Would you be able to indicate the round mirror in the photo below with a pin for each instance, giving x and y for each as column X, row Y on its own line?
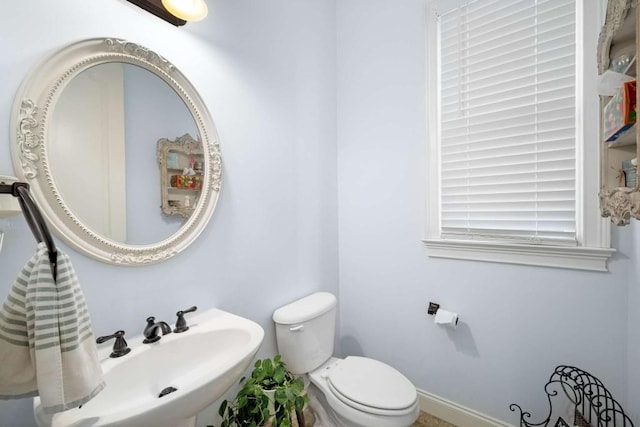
column 119, row 150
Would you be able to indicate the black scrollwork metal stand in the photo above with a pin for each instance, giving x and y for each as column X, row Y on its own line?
column 594, row 405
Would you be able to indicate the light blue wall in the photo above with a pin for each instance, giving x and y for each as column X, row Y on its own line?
column 517, row 323
column 266, row 71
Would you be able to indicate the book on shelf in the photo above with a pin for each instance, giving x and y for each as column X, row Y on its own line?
column 620, row 113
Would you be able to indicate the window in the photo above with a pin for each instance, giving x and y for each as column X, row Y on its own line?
column 513, row 132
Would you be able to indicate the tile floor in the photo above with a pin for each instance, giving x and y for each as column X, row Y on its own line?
column 426, row 420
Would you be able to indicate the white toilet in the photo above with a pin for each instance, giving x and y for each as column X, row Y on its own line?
column 350, row 392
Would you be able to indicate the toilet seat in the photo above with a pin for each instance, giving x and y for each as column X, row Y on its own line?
column 371, row 386
column 351, row 413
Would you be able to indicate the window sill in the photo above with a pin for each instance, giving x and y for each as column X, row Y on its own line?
column 578, row 258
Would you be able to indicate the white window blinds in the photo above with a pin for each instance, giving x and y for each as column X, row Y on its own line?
column 507, row 121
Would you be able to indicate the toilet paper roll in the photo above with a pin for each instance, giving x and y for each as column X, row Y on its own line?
column 446, row 318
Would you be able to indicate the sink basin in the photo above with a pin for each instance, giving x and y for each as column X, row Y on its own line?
column 200, row 364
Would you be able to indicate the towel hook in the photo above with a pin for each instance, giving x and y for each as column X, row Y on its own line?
column 35, row 220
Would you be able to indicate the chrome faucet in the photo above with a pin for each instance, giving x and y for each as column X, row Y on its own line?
column 151, row 330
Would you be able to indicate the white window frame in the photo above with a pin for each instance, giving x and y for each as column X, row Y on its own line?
column 593, row 231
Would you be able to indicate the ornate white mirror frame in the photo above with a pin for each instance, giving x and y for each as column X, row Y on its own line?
column 30, row 124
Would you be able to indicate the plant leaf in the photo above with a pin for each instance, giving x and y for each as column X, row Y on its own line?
column 297, row 386
column 279, row 375
column 223, row 407
column 280, row 396
column 242, row 402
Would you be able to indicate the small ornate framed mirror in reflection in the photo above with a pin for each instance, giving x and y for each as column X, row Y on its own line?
column 181, row 163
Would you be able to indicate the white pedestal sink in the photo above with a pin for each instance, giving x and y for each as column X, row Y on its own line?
column 201, row 364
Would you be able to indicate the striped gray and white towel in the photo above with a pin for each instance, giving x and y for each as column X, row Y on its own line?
column 46, row 343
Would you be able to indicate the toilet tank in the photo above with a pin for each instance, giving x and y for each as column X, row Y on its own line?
column 305, row 331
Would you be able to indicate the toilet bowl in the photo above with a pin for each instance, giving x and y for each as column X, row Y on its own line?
column 350, row 392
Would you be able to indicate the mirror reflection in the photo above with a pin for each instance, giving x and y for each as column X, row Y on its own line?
column 104, row 131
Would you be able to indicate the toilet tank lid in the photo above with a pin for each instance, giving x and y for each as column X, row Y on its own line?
column 305, row 309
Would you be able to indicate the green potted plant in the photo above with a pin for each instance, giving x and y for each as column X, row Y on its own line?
column 272, row 396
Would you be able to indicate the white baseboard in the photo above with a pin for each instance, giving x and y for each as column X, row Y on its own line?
column 454, row 413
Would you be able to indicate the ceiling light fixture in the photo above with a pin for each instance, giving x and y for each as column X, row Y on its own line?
column 176, row 12
column 188, row 10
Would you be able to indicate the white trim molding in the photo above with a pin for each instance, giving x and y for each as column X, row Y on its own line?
column 572, row 257
column 455, row 414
